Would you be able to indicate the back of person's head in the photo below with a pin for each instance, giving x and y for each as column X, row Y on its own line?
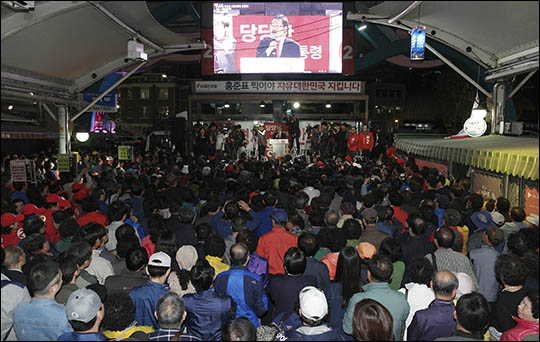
column 381, row 268
column 421, row 270
column 391, row 249
column 348, row 273
column 316, row 218
column 136, row 258
column 32, row 224
column 80, row 251
column 34, row 243
column 445, row 237
column 415, row 184
column 90, row 204
column 167, row 243
column 451, row 217
column 307, row 243
column 416, row 223
column 284, row 184
column 238, row 224
column 68, row 228
column 369, row 200
column 239, row 254
column 59, row 216
column 532, row 295
column 510, row 270
column 250, row 238
column 170, row 310
column 186, row 214
column 204, row 231
column 352, row 229
column 395, row 198
column 117, row 210
column 211, row 205
column 43, row 276
column 444, row 283
column 13, row 255
column 231, row 210
column 517, row 244
column 202, row 275
column 372, row 321
column 476, row 201
column 517, row 214
column 119, row 312
column 269, row 198
column 241, row 329
column 331, row 217
column 68, row 266
column 294, row 261
column 301, row 200
column 215, row 246
column 337, row 240
column 473, row 312
column 91, row 232
column 502, row 205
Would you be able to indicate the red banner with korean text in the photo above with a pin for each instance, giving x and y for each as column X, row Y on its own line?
column 531, row 202
column 312, row 33
column 272, row 127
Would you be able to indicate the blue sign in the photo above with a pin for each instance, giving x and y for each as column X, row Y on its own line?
column 418, row 43
column 108, row 100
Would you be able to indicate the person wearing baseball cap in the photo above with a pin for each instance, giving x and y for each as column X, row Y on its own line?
column 274, row 244
column 12, row 233
column 85, row 313
column 313, row 311
column 146, row 297
column 31, row 208
column 484, row 262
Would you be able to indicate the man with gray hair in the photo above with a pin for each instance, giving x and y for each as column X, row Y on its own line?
column 438, row 319
column 331, row 218
column 170, row 314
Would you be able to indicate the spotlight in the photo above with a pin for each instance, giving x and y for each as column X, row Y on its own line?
column 296, row 105
column 261, row 104
column 363, row 26
column 10, row 107
column 82, row 136
column 328, row 105
column 226, row 105
column 163, row 75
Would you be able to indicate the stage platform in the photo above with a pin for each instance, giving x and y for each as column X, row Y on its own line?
column 516, row 156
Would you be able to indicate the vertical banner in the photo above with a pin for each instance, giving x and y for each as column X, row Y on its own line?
column 348, row 52
column 125, row 153
column 418, row 43
column 23, row 170
column 531, row 203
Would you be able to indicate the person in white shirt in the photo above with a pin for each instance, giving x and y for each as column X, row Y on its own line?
column 418, row 292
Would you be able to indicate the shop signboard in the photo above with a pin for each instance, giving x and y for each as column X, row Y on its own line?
column 63, row 163
column 23, row 171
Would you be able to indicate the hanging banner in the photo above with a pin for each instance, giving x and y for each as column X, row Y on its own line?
column 441, row 168
column 487, row 186
column 272, row 87
column 418, row 43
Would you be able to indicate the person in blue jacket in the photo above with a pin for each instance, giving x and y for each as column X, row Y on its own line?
column 222, row 222
column 245, row 288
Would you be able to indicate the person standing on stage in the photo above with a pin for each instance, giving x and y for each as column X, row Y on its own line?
column 366, row 141
column 294, row 133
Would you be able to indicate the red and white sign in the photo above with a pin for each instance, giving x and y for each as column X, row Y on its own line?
column 531, row 203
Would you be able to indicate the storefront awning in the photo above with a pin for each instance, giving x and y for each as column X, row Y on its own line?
column 516, row 156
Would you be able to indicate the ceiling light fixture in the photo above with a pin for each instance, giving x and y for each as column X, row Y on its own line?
column 226, row 105
column 328, row 105
column 261, row 104
column 296, row 105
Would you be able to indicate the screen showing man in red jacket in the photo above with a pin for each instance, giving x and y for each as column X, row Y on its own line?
column 366, row 141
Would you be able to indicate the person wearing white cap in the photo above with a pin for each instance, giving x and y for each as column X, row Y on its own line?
column 146, row 297
column 85, row 313
column 313, row 311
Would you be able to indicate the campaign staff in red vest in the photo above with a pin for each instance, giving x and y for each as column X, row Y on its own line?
column 366, row 141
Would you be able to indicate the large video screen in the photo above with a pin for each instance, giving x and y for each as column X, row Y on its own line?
column 278, row 37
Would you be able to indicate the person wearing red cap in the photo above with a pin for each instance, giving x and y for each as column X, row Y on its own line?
column 12, row 231
column 91, row 208
column 31, row 208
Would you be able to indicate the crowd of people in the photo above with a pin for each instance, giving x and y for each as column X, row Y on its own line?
column 347, row 247
column 327, row 139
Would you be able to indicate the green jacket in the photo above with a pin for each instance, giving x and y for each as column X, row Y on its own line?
column 394, row 301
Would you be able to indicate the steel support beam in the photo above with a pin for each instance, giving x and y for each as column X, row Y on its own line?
column 63, row 130
column 47, row 109
column 405, row 11
column 456, row 69
column 521, row 84
column 499, row 102
column 107, row 91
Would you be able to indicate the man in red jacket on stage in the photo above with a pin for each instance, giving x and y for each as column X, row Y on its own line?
column 366, row 141
column 353, row 142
